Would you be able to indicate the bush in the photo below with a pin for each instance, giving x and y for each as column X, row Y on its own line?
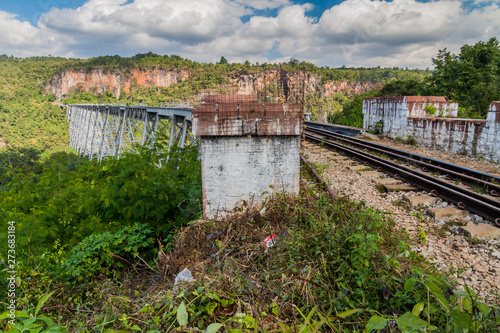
column 101, row 253
column 70, row 199
column 352, row 111
column 431, row 109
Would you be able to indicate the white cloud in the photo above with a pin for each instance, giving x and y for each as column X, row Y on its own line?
column 188, row 22
column 264, row 4
column 354, row 33
column 403, row 32
column 22, row 39
column 397, row 22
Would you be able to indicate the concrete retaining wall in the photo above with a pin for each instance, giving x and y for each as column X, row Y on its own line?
column 409, row 116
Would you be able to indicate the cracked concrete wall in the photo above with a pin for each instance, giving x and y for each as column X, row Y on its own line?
column 237, row 169
column 407, row 116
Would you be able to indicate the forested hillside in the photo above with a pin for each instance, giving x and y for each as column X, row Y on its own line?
column 27, row 117
column 30, row 118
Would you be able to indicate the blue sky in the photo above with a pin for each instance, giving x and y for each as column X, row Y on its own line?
column 404, row 33
column 30, row 10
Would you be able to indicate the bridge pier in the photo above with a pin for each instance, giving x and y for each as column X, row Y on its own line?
column 249, row 151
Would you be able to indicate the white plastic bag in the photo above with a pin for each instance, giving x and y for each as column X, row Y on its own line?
column 184, row 276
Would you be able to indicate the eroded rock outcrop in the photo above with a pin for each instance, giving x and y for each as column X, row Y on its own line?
column 99, row 81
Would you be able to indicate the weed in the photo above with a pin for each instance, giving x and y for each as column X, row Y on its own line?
column 403, row 204
column 440, row 305
column 381, row 188
column 479, row 158
column 378, row 128
column 479, row 189
column 436, row 173
column 431, row 109
column 320, row 168
column 422, row 236
column 473, row 240
column 419, row 215
column 31, row 321
column 410, row 141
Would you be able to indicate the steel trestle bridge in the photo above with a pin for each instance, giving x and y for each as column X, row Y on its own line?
column 99, row 131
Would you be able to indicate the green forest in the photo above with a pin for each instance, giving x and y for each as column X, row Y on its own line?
column 96, row 246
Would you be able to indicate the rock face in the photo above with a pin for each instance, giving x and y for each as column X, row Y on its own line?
column 97, row 81
column 350, row 88
column 250, row 84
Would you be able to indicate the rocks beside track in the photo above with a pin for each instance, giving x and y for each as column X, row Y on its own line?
column 447, row 243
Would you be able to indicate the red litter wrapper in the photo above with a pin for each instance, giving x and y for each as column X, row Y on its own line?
column 270, row 240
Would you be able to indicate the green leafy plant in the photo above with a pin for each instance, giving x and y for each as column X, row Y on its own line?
column 380, row 188
column 410, row 141
column 378, row 128
column 431, row 109
column 422, row 236
column 100, row 253
column 30, row 321
column 439, row 304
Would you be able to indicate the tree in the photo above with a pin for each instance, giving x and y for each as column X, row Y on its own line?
column 223, row 61
column 293, row 61
column 407, row 87
column 472, row 78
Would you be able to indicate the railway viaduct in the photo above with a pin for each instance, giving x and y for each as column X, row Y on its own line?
column 249, row 150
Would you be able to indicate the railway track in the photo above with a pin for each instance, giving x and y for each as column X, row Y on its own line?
column 367, row 152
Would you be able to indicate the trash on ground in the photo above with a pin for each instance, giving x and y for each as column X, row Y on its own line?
column 184, row 276
column 270, row 240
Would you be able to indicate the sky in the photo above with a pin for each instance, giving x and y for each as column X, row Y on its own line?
column 367, row 33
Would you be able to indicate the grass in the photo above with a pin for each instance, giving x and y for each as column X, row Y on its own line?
column 403, row 204
column 381, row 188
column 479, row 189
column 337, row 265
column 409, row 140
column 366, row 138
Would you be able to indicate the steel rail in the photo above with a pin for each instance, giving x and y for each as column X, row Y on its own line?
column 463, row 198
column 449, row 170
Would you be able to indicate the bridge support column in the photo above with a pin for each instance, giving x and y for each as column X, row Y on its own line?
column 101, row 131
column 249, row 151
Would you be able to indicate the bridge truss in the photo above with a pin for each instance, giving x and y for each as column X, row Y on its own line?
column 99, row 131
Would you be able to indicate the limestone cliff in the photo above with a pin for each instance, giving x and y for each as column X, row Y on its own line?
column 97, row 81
column 251, row 83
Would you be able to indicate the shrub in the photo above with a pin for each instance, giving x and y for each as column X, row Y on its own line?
column 431, row 109
column 100, row 253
